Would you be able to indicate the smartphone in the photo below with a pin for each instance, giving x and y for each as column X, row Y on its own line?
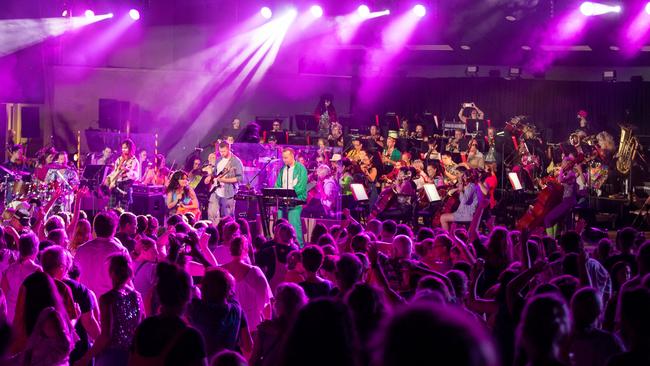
column 467, row 105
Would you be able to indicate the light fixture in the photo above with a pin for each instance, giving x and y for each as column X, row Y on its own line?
column 526, row 48
column 89, row 13
column 609, row 75
column 511, row 18
column 266, row 12
column 420, row 10
column 316, row 11
column 614, row 48
column 465, row 47
column 363, row 11
column 471, row 70
column 134, row 14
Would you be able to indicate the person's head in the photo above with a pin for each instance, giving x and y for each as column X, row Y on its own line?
column 312, row 258
column 239, row 246
column 390, row 142
column 230, row 231
column 61, row 158
column 445, row 157
column 433, row 284
column 56, row 261
column 337, row 129
column 217, row 285
column 586, row 306
column 348, row 271
column 59, row 237
column 236, row 123
column 440, row 247
column 28, row 245
column 119, row 268
column 224, row 150
column 16, row 152
column 643, row 258
column 418, row 331
column 128, row 147
column 288, row 156
column 626, row 239
column 177, row 181
column 283, row 233
column 277, row 125
column 40, row 293
column 582, row 116
column 148, row 250
column 142, row 155
column 289, row 298
column 460, row 284
column 228, row 358
column 128, row 223
column 104, row 224
column 498, row 247
column 106, row 153
column 458, row 134
column 570, row 242
column 367, row 307
column 544, row 325
column 323, row 171
column 388, row 229
column 335, row 342
column 360, row 242
column 196, row 163
column 402, row 247
column 173, row 287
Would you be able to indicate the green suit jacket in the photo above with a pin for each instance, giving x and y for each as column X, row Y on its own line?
column 299, row 173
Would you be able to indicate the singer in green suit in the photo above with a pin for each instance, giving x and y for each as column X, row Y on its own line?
column 293, row 175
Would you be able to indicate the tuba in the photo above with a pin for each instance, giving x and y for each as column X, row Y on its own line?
column 627, row 149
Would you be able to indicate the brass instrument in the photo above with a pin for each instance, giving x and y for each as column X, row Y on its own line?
column 627, row 149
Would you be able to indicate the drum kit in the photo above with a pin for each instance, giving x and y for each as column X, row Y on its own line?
column 18, row 187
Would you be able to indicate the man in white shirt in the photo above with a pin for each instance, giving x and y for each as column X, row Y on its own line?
column 93, row 256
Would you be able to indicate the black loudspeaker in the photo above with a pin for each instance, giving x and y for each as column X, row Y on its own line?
column 30, row 122
column 113, row 114
column 154, row 205
column 247, row 209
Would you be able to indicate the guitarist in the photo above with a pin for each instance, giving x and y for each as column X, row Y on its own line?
column 225, row 180
column 126, row 171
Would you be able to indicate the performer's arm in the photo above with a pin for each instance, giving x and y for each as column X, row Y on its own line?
column 301, row 186
column 194, row 201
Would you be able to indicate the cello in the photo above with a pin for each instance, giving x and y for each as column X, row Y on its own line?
column 546, row 200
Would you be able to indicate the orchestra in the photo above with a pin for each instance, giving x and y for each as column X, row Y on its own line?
column 464, row 164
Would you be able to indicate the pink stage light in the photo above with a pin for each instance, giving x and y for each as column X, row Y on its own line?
column 316, row 10
column 589, row 8
column 647, row 8
column 64, row 13
column 134, row 14
column 363, row 11
column 266, row 12
column 420, row 10
column 89, row 13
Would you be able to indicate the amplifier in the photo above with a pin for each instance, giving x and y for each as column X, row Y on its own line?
column 149, row 204
column 139, row 189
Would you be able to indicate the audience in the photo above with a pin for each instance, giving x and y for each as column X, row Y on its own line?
column 381, row 293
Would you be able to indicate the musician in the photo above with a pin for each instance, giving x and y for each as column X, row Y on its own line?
column 434, row 174
column 488, row 183
column 418, row 133
column 66, row 177
column 126, row 171
column 225, row 180
column 375, row 136
column 490, row 149
column 404, row 128
column 106, row 157
column 157, row 173
column 475, row 158
column 16, row 164
column 406, row 195
column 567, row 177
column 391, row 155
column 469, row 195
column 370, row 175
column 322, row 199
column 458, row 144
column 180, row 196
column 325, row 114
column 233, row 131
column 354, row 154
column 335, row 138
column 450, row 173
column 196, row 173
column 583, row 124
column 420, row 177
column 469, row 111
column 293, row 175
column 142, row 158
column 432, row 155
column 323, row 153
column 45, row 158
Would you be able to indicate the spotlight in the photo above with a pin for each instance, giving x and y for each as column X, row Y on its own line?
column 511, row 18
column 64, row 13
column 609, row 75
column 589, row 8
column 363, row 10
column 89, row 13
column 471, row 70
column 134, row 14
column 647, row 8
column 420, row 10
column 465, row 47
column 316, row 11
column 614, row 48
column 514, row 72
column 526, row 48
column 266, row 12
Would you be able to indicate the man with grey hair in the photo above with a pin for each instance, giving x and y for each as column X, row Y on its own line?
column 323, row 198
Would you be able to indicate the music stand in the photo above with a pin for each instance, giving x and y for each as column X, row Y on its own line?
column 359, row 192
column 432, row 192
column 475, row 125
column 514, row 180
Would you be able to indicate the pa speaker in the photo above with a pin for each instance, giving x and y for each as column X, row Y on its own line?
column 113, row 114
column 30, row 122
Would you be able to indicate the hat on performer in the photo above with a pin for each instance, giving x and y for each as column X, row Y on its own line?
column 393, row 134
column 582, row 113
column 336, row 157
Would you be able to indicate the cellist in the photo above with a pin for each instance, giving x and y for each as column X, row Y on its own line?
column 566, row 177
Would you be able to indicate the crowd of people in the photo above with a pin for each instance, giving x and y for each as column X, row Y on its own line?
column 126, row 289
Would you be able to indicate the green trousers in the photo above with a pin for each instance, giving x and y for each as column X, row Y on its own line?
column 295, row 221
